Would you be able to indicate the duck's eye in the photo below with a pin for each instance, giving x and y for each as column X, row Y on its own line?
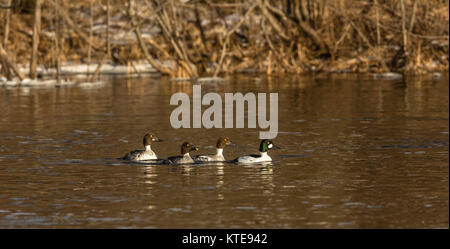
column 151, row 135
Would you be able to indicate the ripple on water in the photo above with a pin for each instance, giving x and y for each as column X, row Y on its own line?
column 25, row 218
column 186, row 209
column 320, row 205
column 245, row 208
column 13, row 157
column 73, row 161
column 106, row 219
column 15, row 214
column 343, row 224
column 80, row 131
column 18, row 198
column 291, row 156
column 200, row 188
column 354, row 204
column 112, row 199
column 290, row 133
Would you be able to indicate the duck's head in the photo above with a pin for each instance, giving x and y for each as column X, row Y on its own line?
column 222, row 142
column 266, row 145
column 149, row 138
column 187, row 147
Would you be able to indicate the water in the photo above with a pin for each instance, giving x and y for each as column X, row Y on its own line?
column 356, row 153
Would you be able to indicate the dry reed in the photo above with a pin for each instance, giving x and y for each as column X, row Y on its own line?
column 188, row 39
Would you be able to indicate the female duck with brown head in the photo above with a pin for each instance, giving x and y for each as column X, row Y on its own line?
column 218, row 157
column 147, row 154
column 185, row 158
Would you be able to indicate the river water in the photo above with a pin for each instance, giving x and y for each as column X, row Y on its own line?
column 355, row 153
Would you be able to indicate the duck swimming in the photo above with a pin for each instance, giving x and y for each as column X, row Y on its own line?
column 218, row 157
column 186, row 147
column 265, row 146
column 147, row 154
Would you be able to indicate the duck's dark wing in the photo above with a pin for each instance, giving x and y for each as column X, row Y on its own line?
column 131, row 155
column 172, row 160
column 202, row 158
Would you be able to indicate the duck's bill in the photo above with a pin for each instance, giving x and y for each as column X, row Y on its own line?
column 194, row 148
column 275, row 147
column 158, row 140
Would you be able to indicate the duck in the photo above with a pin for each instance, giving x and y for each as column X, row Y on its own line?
column 185, row 158
column 264, row 147
column 218, row 157
column 147, row 154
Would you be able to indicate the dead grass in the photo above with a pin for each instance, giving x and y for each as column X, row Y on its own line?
column 201, row 38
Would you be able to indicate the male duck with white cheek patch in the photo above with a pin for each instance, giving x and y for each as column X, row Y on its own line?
column 218, row 157
column 185, row 158
column 147, row 154
column 265, row 146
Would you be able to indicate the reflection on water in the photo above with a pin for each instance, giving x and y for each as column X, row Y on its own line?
column 356, row 153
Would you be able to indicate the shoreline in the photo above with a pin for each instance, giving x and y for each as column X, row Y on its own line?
column 72, row 74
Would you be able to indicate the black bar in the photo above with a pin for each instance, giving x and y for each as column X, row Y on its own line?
column 240, row 238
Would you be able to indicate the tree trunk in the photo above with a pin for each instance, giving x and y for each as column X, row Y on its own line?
column 7, row 21
column 56, row 46
column 36, row 31
column 91, row 25
column 404, row 30
column 108, row 39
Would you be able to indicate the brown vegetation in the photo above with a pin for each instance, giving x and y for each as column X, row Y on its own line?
column 200, row 38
